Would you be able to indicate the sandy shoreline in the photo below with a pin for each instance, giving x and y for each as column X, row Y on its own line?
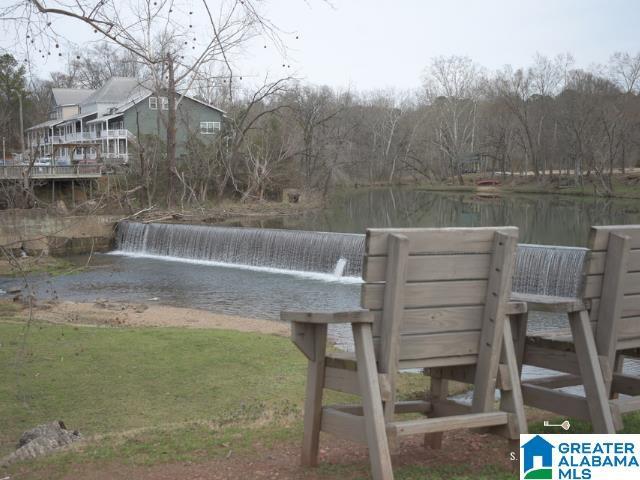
column 143, row 315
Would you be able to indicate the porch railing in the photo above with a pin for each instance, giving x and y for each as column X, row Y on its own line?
column 16, row 172
column 86, row 136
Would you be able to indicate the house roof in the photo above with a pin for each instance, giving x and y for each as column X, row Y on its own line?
column 77, row 116
column 115, row 90
column 206, row 104
column 104, row 118
column 136, row 97
column 118, row 93
column 70, row 96
column 142, row 92
column 48, row 123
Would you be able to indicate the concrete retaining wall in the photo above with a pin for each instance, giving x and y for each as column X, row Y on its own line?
column 40, row 232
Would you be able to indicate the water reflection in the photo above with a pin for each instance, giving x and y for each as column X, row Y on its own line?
column 545, row 219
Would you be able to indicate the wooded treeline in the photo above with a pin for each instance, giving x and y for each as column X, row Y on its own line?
column 546, row 119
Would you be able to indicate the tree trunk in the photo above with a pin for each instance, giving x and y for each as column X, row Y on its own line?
column 144, row 175
column 171, row 135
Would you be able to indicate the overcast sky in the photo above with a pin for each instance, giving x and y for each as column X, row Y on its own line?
column 370, row 44
column 378, row 43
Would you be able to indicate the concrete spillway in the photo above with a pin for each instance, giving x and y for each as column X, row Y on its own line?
column 327, row 255
column 539, row 269
column 549, row 270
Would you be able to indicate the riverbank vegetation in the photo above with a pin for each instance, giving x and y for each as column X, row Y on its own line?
column 549, row 122
column 16, row 266
column 190, row 402
column 624, row 185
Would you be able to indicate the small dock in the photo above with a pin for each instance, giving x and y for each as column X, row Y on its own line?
column 63, row 172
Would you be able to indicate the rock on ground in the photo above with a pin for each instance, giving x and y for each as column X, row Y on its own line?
column 42, row 440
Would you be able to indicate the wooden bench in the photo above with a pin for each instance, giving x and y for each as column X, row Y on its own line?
column 604, row 327
column 434, row 299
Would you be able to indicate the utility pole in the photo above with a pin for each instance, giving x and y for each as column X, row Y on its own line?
column 26, row 185
column 4, row 152
column 21, row 127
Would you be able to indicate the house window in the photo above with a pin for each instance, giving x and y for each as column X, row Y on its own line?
column 153, row 103
column 164, row 101
column 208, row 128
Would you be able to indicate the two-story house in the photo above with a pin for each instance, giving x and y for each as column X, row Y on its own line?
column 101, row 125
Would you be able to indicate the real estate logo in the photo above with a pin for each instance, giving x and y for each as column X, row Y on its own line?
column 537, row 458
column 580, row 457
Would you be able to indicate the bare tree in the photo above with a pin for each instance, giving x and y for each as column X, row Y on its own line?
column 91, row 68
column 452, row 89
column 246, row 115
column 312, row 109
column 264, row 156
column 624, row 70
column 173, row 40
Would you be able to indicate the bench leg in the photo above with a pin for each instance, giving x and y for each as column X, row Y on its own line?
column 617, row 368
column 313, row 399
column 591, row 373
column 519, row 329
column 377, row 441
column 439, row 391
column 511, row 400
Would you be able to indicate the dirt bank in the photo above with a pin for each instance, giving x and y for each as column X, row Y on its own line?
column 149, row 315
column 464, row 455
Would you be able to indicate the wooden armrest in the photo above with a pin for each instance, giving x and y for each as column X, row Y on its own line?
column 309, row 329
column 515, row 308
column 356, row 316
column 545, row 303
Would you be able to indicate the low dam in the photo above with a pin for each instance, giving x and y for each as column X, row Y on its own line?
column 549, row 270
column 540, row 269
column 330, row 255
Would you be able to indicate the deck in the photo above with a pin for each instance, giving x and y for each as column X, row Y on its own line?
column 66, row 172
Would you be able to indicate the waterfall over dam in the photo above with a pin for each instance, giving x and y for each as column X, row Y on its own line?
column 539, row 269
column 549, row 270
column 325, row 255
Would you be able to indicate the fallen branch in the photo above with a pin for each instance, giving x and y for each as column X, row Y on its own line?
column 173, row 216
column 144, row 210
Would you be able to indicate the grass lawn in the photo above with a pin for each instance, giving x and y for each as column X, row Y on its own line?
column 106, row 380
column 152, row 394
column 145, row 396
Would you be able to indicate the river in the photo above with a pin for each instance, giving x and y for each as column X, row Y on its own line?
column 262, row 293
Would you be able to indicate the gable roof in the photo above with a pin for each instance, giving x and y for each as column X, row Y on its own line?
column 142, row 93
column 104, row 118
column 48, row 123
column 136, row 97
column 70, row 96
column 75, row 117
column 206, row 104
column 115, row 90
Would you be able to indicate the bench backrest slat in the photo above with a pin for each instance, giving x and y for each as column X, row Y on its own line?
column 599, row 265
column 444, row 294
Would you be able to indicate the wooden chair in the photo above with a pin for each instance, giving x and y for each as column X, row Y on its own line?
column 604, row 327
column 435, row 299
